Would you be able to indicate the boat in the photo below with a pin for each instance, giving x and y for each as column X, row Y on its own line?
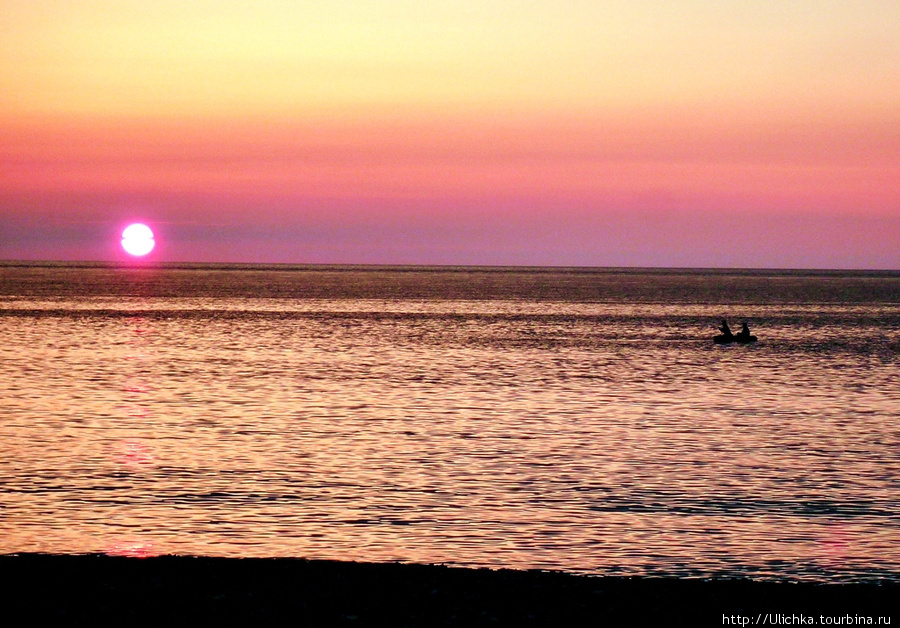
column 722, row 339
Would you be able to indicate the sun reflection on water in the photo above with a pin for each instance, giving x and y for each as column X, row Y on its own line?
column 131, row 549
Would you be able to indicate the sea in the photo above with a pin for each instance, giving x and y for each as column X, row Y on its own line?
column 571, row 419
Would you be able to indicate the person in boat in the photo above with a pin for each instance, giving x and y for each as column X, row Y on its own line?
column 726, row 330
column 744, row 334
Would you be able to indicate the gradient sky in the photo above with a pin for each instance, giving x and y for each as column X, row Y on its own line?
column 567, row 132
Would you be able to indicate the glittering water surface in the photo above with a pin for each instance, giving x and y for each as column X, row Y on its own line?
column 573, row 420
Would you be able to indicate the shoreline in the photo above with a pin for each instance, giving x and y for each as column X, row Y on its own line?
column 181, row 590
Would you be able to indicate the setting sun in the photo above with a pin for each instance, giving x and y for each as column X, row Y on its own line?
column 137, row 239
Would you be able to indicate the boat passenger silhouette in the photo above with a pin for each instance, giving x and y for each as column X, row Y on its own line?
column 725, row 329
column 744, row 334
column 726, row 337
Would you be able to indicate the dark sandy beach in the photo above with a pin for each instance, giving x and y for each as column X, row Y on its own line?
column 88, row 589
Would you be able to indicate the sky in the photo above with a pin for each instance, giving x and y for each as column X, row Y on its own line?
column 685, row 133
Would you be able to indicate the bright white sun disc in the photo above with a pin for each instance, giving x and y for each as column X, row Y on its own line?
column 137, row 239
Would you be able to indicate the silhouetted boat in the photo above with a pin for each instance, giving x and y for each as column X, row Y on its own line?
column 722, row 339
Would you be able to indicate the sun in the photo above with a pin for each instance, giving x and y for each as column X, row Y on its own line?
column 137, row 239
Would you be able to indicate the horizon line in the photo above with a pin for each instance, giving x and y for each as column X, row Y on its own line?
column 225, row 265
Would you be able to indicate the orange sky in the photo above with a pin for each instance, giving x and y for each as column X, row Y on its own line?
column 529, row 132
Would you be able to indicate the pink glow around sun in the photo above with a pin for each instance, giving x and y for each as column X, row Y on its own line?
column 137, row 239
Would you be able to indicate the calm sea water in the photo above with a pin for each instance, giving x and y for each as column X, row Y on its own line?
column 579, row 420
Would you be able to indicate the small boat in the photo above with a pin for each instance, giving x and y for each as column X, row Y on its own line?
column 722, row 339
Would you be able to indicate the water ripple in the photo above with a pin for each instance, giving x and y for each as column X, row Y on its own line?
column 593, row 435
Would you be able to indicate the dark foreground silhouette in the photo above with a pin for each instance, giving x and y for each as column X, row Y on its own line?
column 726, row 337
column 169, row 590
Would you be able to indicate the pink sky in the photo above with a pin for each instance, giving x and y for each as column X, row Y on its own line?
column 632, row 134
